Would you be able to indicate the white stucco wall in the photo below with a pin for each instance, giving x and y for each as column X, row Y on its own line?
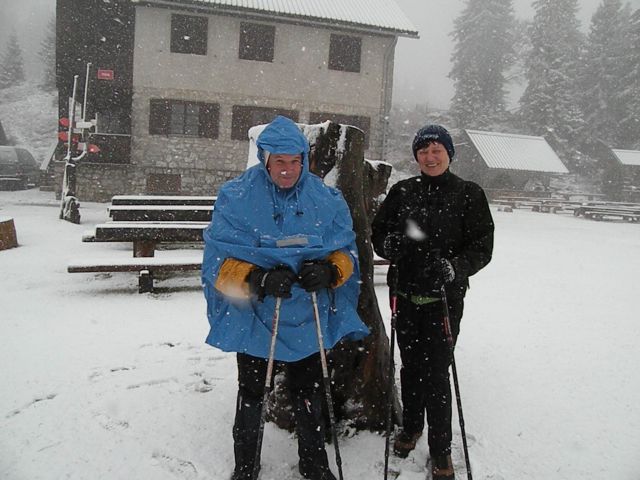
column 298, row 79
column 299, row 70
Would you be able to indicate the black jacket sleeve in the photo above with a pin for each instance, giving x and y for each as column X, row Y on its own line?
column 477, row 235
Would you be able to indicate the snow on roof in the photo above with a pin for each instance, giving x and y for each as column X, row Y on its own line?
column 516, row 152
column 627, row 157
column 371, row 14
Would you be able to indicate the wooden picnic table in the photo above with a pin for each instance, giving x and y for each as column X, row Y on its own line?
column 161, row 213
column 145, row 236
column 147, row 221
column 163, row 200
column 538, row 204
column 601, row 212
column 594, row 209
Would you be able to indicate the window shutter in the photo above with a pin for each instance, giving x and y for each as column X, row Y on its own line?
column 159, row 117
column 209, row 113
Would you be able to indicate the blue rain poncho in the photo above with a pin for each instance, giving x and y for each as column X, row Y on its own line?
column 257, row 222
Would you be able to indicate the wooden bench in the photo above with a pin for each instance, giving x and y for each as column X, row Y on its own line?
column 163, row 200
column 146, row 267
column 545, row 205
column 147, row 221
column 161, row 213
column 146, row 236
column 602, row 212
column 161, row 208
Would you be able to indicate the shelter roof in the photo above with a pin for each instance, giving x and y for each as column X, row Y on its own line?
column 516, row 152
column 627, row 157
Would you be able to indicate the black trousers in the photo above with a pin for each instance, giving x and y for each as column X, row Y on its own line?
column 424, row 375
column 304, row 382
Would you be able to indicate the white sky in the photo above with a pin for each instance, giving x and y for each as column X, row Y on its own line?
column 421, row 69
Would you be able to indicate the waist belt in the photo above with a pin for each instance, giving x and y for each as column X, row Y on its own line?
column 419, row 299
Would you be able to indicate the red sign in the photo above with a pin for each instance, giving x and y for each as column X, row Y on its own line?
column 105, row 74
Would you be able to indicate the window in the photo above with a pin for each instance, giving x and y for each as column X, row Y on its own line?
column 344, row 53
column 179, row 117
column 189, row 34
column 361, row 122
column 246, row 117
column 256, row 42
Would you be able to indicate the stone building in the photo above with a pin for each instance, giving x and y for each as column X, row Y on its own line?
column 175, row 85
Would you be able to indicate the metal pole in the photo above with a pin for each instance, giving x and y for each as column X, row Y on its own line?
column 393, row 298
column 86, row 90
column 267, row 387
column 449, row 334
column 72, row 116
column 327, row 384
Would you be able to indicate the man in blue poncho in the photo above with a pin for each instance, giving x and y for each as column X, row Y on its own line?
column 279, row 232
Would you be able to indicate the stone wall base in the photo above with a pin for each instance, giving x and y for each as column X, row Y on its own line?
column 99, row 182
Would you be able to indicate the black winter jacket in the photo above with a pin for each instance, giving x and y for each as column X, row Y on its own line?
column 453, row 214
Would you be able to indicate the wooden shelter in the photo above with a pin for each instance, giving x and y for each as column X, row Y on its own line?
column 506, row 161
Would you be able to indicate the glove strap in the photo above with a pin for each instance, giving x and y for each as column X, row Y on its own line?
column 264, row 279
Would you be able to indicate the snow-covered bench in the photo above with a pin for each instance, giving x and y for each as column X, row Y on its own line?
column 145, row 236
column 161, row 208
column 147, row 221
column 145, row 266
column 600, row 212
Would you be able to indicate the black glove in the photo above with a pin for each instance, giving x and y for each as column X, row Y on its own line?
column 317, row 275
column 394, row 246
column 447, row 272
column 439, row 273
column 277, row 282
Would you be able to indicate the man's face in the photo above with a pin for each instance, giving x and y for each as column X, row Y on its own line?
column 433, row 159
column 284, row 169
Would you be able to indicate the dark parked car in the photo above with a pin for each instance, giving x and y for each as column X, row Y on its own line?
column 18, row 169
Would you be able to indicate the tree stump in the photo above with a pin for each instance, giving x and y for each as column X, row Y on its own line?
column 359, row 370
column 8, row 238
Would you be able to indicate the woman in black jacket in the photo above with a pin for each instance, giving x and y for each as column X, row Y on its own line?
column 437, row 228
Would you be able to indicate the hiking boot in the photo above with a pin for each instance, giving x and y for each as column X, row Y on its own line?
column 442, row 468
column 405, row 443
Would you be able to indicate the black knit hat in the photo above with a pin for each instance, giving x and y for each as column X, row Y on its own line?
column 433, row 133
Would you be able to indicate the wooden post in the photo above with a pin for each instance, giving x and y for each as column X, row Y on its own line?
column 360, row 379
column 144, row 248
column 8, row 238
column 361, row 374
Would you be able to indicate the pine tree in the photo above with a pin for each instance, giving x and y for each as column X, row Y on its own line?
column 47, row 55
column 12, row 66
column 630, row 121
column 483, row 34
column 550, row 103
column 603, row 72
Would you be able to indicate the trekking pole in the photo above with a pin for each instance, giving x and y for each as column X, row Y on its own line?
column 449, row 334
column 327, row 384
column 267, row 388
column 393, row 299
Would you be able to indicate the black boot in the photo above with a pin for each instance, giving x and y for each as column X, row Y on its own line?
column 307, row 408
column 245, row 434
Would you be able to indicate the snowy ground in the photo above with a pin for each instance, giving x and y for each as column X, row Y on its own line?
column 100, row 382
